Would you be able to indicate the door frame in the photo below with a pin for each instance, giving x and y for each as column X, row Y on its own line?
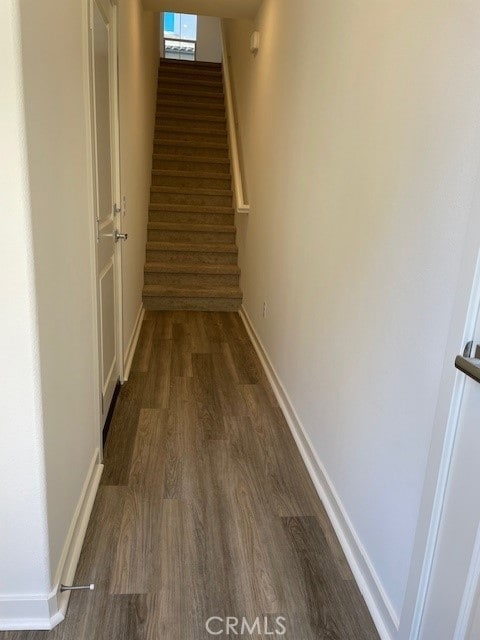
column 115, row 157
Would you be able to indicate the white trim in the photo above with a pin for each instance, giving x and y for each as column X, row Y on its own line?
column 132, row 344
column 34, row 611
column 384, row 615
column 470, row 594
column 241, row 205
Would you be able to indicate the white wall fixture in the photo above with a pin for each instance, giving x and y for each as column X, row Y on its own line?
column 255, row 42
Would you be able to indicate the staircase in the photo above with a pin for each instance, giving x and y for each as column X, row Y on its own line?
column 191, row 253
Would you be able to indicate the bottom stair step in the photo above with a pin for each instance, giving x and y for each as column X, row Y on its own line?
column 159, row 297
column 192, row 275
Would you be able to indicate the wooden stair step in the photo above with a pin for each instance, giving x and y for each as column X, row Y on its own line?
column 190, row 232
column 194, row 76
column 190, row 106
column 190, row 208
column 218, row 133
column 192, row 252
column 211, row 269
column 190, row 64
column 214, row 96
column 183, row 226
column 193, row 192
column 178, row 173
column 219, row 298
column 203, row 144
column 190, row 179
column 185, row 247
column 186, row 158
column 185, row 292
column 210, row 84
column 193, row 117
column 191, row 217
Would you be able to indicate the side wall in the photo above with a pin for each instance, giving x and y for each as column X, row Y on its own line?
column 209, row 39
column 24, row 568
column 360, row 133
column 53, row 56
column 138, row 66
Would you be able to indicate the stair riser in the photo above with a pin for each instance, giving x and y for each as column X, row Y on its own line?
column 162, row 235
column 191, row 97
column 191, row 304
column 170, row 107
column 192, row 149
column 175, row 76
column 197, row 84
column 194, row 183
column 191, row 199
column 171, row 121
column 189, row 217
column 187, row 65
column 192, row 279
column 193, row 165
column 191, row 257
column 193, row 136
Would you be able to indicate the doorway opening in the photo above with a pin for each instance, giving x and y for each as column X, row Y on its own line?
column 179, row 36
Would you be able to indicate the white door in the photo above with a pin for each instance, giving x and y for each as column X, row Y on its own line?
column 106, row 182
column 452, row 609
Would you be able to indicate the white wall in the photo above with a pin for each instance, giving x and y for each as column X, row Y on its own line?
column 58, row 167
column 360, row 130
column 24, row 567
column 209, row 39
column 138, row 66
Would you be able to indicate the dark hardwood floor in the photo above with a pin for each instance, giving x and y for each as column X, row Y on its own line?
column 205, row 506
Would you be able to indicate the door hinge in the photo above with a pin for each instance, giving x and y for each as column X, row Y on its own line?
column 116, row 209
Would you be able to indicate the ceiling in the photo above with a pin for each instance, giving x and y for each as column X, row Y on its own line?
column 221, row 8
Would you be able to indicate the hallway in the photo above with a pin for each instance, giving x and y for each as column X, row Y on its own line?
column 205, row 507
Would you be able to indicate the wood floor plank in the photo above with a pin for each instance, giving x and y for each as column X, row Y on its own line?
column 156, row 391
column 206, row 397
column 123, row 428
column 206, row 507
column 143, row 352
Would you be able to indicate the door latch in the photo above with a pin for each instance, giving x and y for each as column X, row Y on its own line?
column 119, row 236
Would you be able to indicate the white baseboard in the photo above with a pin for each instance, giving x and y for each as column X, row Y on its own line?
column 132, row 344
column 46, row 611
column 383, row 614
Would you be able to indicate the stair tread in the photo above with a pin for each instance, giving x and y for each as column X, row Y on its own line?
column 184, row 158
column 218, row 291
column 194, row 191
column 175, row 91
column 185, row 226
column 196, row 81
column 197, row 130
column 213, row 73
column 181, row 173
column 196, row 267
column 199, row 117
column 173, row 62
column 190, row 105
column 190, row 208
column 207, row 247
column 203, row 144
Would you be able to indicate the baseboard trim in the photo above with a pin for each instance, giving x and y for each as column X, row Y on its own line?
column 381, row 610
column 44, row 612
column 132, row 344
